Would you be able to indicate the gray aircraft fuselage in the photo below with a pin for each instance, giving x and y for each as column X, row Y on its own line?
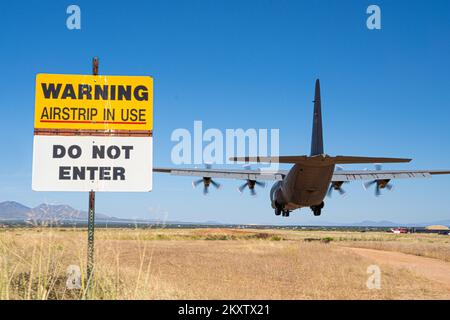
column 303, row 186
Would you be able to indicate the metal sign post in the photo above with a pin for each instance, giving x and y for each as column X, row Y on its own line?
column 90, row 253
column 91, row 218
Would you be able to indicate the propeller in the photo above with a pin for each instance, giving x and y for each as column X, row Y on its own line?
column 251, row 183
column 251, row 186
column 207, row 181
column 379, row 183
column 336, row 185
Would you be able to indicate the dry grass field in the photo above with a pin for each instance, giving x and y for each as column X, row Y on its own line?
column 223, row 264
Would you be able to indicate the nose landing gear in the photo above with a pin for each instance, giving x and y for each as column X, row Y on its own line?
column 317, row 210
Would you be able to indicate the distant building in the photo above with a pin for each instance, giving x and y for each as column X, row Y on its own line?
column 438, row 229
column 432, row 229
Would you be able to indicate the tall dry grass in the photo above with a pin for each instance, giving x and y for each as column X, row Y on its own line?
column 194, row 264
column 34, row 262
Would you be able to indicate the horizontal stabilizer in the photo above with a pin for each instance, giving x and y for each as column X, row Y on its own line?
column 321, row 159
column 279, row 159
column 351, row 159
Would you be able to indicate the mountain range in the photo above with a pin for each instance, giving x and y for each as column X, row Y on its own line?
column 11, row 210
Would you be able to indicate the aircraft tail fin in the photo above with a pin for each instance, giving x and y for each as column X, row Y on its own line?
column 317, row 136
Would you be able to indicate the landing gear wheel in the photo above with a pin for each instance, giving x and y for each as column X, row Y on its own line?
column 317, row 210
column 286, row 213
column 277, row 211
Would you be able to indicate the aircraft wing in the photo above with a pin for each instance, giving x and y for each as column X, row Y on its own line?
column 338, row 175
column 225, row 173
column 344, row 175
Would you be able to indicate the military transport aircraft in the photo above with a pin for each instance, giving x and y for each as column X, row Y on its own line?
column 311, row 178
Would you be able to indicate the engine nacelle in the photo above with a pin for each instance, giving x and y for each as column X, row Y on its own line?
column 276, row 196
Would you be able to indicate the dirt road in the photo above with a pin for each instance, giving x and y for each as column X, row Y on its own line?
column 432, row 269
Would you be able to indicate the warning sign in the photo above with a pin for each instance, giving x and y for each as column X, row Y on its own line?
column 94, row 102
column 93, row 133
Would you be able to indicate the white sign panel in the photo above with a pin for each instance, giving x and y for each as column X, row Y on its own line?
column 92, row 163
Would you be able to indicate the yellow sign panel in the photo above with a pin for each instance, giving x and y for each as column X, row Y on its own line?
column 93, row 102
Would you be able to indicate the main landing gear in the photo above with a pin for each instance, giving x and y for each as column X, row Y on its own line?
column 317, row 210
column 280, row 211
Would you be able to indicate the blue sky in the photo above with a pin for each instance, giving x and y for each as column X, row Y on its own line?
column 247, row 64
